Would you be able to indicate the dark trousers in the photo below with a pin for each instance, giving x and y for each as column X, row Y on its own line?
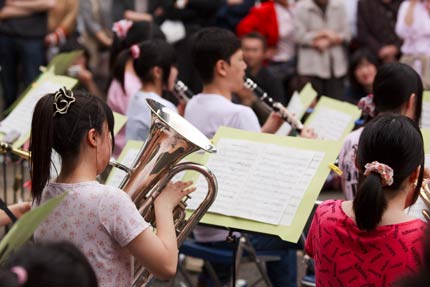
column 20, row 59
column 282, row 273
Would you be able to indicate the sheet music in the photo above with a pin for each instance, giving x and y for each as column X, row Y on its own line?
column 258, row 181
column 20, row 118
column 284, row 130
column 330, row 124
column 416, row 209
column 117, row 175
column 295, row 106
column 425, row 115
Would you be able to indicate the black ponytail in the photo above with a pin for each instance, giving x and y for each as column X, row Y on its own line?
column 63, row 133
column 395, row 141
column 370, row 195
column 41, row 144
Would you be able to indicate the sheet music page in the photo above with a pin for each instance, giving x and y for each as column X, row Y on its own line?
column 117, row 175
column 330, row 124
column 20, row 118
column 295, row 106
column 284, row 130
column 425, row 115
column 258, row 181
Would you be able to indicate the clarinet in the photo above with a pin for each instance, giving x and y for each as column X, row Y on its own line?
column 276, row 106
column 182, row 92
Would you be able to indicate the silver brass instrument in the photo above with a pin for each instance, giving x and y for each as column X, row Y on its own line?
column 275, row 106
column 171, row 138
column 425, row 196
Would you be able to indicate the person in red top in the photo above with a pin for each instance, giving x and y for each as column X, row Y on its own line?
column 371, row 241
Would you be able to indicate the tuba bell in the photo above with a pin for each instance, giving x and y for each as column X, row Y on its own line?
column 171, row 138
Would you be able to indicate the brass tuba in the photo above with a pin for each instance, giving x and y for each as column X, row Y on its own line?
column 170, row 139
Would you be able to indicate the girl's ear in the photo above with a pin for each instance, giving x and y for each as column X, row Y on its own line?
column 412, row 195
column 157, row 73
column 92, row 137
column 410, row 106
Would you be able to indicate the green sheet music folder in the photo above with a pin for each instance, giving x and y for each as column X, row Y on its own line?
column 24, row 228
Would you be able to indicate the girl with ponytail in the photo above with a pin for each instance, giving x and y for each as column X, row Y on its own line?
column 101, row 221
column 371, row 240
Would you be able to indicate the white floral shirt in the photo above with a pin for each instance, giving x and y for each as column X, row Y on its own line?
column 100, row 220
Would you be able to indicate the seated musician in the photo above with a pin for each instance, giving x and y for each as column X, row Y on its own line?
column 371, row 241
column 218, row 58
column 101, row 221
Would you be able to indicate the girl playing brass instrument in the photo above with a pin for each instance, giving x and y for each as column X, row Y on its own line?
column 101, row 221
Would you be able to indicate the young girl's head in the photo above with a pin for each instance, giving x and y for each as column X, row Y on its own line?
column 65, row 121
column 398, row 89
column 389, row 156
column 154, row 62
column 362, row 71
column 48, row 264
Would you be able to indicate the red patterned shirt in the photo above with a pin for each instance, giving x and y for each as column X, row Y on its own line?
column 347, row 256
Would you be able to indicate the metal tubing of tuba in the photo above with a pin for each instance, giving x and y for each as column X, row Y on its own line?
column 275, row 106
column 171, row 138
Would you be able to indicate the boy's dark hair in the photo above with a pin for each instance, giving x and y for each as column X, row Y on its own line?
column 393, row 140
column 210, row 45
column 49, row 264
column 63, row 133
column 258, row 36
column 394, row 83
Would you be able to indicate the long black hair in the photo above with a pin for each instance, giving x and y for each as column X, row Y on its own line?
column 154, row 53
column 63, row 132
column 139, row 32
column 394, row 84
column 393, row 140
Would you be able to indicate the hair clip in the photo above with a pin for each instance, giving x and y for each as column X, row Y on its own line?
column 121, row 28
column 21, row 274
column 367, row 106
column 135, row 51
column 63, row 98
column 385, row 172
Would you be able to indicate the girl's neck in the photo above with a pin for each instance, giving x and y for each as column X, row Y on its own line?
column 393, row 214
column 152, row 88
column 80, row 171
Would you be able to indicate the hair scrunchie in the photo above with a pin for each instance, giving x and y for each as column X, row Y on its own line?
column 121, row 28
column 21, row 274
column 386, row 173
column 135, row 51
column 367, row 106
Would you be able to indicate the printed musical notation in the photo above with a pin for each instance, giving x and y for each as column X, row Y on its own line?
column 330, row 124
column 258, row 181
